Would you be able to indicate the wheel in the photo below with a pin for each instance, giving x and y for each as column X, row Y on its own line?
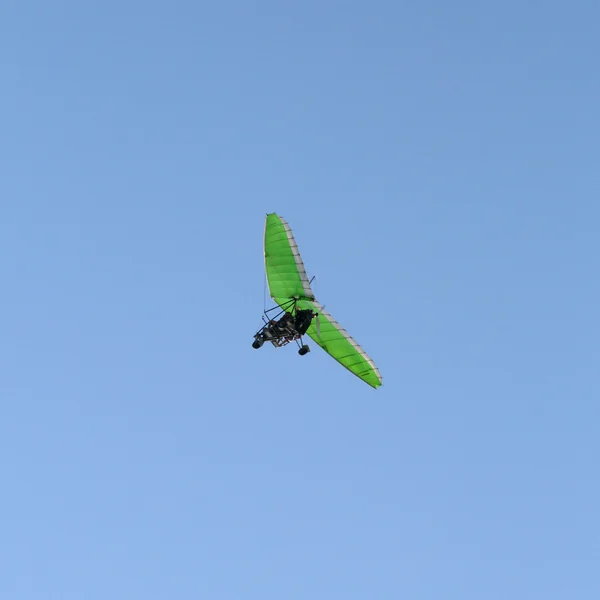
column 303, row 350
column 256, row 344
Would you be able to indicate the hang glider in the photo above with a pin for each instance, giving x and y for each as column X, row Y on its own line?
column 299, row 312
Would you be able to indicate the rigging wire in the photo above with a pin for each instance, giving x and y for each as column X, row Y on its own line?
column 265, row 294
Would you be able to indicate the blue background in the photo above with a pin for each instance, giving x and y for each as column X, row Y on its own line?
column 438, row 164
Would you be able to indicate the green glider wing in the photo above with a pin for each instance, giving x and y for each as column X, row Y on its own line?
column 288, row 281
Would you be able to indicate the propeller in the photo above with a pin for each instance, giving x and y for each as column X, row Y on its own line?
column 318, row 323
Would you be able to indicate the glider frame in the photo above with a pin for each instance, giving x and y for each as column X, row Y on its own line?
column 265, row 334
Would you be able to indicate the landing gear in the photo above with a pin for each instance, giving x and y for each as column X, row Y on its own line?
column 303, row 350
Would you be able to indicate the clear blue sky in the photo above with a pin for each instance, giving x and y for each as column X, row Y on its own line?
column 438, row 163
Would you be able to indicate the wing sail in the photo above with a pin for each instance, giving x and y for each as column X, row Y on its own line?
column 285, row 270
column 336, row 341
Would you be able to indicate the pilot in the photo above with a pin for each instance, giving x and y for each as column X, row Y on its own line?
column 303, row 319
column 286, row 321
